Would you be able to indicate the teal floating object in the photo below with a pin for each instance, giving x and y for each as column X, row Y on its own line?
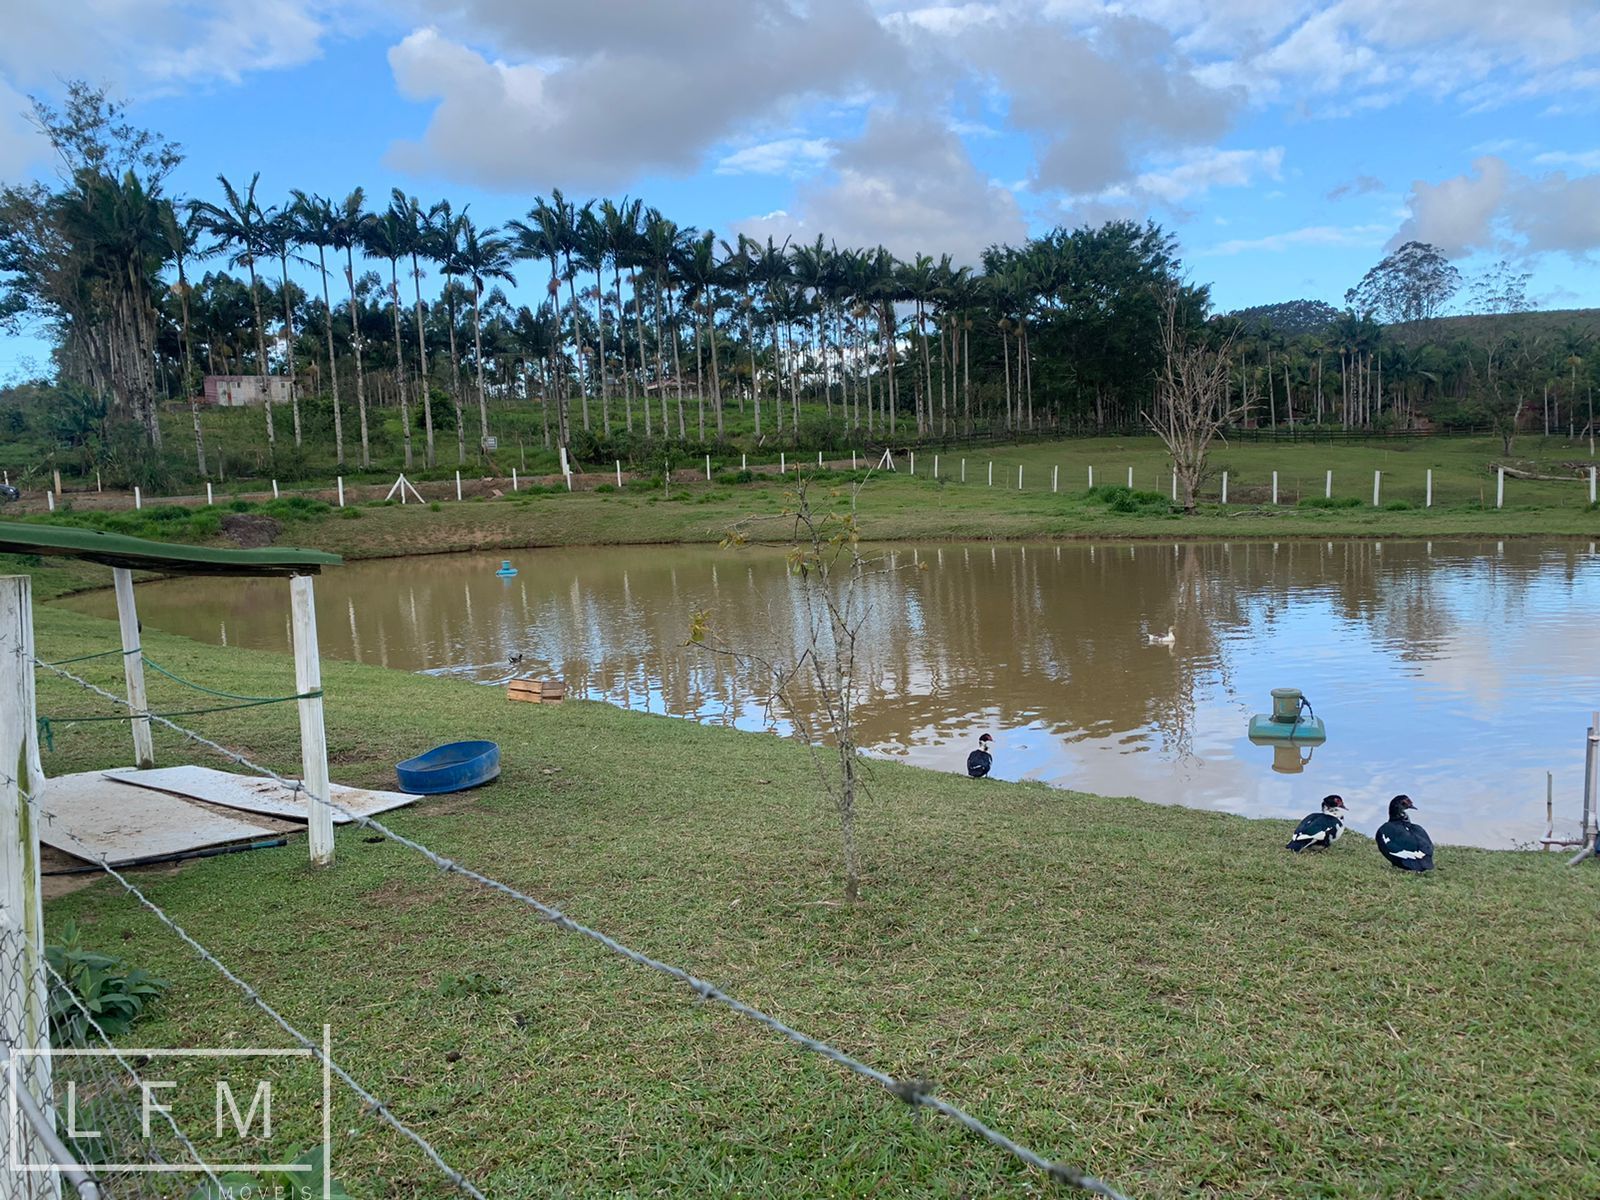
column 1291, row 720
column 1308, row 730
column 506, row 569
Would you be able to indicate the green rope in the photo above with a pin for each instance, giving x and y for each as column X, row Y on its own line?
column 155, row 666
column 47, row 724
column 86, row 657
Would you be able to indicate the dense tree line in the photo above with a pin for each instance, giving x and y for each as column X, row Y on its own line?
column 649, row 329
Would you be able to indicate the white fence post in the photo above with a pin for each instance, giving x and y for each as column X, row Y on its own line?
column 1055, row 478
column 1327, row 487
column 50, row 501
column 819, row 458
column 513, row 479
column 458, row 485
column 275, row 489
column 963, row 470
column 1274, row 487
column 619, row 474
column 341, row 493
column 1429, row 503
column 1224, row 487
column 1130, row 479
column 708, row 467
column 24, row 1009
column 913, row 454
column 744, row 462
column 313, row 739
column 138, row 500
column 1091, row 479
column 783, row 466
column 936, row 466
column 991, row 472
column 1019, row 477
column 144, row 754
column 339, row 479
column 1174, row 486
column 1591, row 485
column 1500, row 488
column 1377, row 482
column 56, row 472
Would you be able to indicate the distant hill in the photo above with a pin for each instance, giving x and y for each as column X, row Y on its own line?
column 1292, row 317
column 1556, row 320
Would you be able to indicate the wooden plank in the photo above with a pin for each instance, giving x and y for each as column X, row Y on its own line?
column 313, row 741
column 249, row 793
column 93, row 814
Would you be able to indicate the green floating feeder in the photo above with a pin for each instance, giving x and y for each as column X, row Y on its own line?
column 1291, row 720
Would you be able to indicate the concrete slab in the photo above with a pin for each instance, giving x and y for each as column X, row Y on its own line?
column 252, row 793
column 89, row 816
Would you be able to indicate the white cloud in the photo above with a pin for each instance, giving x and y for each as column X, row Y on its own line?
column 1311, row 235
column 1457, row 215
column 1587, row 160
column 906, row 183
column 1495, row 208
column 592, row 95
column 1200, row 171
column 21, row 145
column 785, row 156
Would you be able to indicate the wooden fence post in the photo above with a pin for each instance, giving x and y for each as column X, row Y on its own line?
column 313, row 738
column 144, row 755
column 1429, row 502
column 1274, row 487
column 210, row 501
column 1500, row 488
column 1327, row 487
column 339, row 479
column 1377, row 479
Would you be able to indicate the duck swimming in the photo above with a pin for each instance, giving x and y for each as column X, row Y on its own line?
column 980, row 760
column 1403, row 843
column 1321, row 829
column 1165, row 639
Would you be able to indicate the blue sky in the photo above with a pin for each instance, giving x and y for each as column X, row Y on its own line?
column 1286, row 142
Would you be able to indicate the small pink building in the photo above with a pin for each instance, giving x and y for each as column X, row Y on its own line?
column 240, row 391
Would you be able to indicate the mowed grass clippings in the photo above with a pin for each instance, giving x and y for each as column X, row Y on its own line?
column 1164, row 997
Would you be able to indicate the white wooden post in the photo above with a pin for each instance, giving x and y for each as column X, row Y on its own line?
column 744, row 462
column 1019, row 477
column 338, row 479
column 275, row 489
column 1130, row 479
column 1377, row 482
column 1500, row 488
column 513, row 479
column 963, row 470
column 144, row 754
column 1591, row 485
column 138, row 500
column 97, row 479
column 1327, row 487
column 458, row 485
column 1091, row 479
column 783, row 465
column 1224, row 487
column 1429, row 503
column 619, row 474
column 210, row 501
column 23, row 995
column 936, row 466
column 1274, row 487
column 313, row 739
column 56, row 471
column 1174, row 486
column 708, row 468
column 913, row 454
column 852, row 460
column 819, row 458
column 1055, row 478
column 50, row 501
column 991, row 472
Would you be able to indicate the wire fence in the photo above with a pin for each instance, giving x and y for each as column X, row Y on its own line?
column 914, row 1092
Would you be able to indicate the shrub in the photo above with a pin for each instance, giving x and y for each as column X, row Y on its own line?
column 1330, row 502
column 607, row 488
column 113, row 993
column 349, row 514
column 1398, row 506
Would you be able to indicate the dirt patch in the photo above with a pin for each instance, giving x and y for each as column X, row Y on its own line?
column 251, row 531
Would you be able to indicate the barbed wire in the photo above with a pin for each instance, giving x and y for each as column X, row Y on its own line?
column 914, row 1092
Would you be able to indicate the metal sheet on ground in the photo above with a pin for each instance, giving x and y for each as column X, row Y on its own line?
column 90, row 816
column 250, row 793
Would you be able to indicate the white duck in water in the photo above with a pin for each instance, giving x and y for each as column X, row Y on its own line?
column 1164, row 639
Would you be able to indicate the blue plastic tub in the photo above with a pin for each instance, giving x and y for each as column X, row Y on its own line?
column 449, row 768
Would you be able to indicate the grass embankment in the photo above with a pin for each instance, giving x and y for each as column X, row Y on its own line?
column 1164, row 996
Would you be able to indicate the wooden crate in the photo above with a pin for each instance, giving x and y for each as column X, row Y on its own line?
column 537, row 691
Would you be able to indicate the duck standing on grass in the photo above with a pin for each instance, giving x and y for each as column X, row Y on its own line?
column 1403, row 843
column 980, row 760
column 1321, row 829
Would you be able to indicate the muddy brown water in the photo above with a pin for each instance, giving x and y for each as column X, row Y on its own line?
column 1456, row 672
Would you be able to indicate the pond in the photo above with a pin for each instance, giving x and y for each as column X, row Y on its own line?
column 1458, row 673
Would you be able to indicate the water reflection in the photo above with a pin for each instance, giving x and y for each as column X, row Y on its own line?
column 1455, row 672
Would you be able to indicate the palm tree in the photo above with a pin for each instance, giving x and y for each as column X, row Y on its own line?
column 539, row 237
column 318, row 224
column 240, row 229
column 179, row 233
column 664, row 242
column 738, row 273
column 702, row 275
column 283, row 234
column 348, row 221
column 593, row 246
column 386, row 236
column 483, row 255
column 620, row 225
column 771, row 270
column 444, row 243
column 416, row 228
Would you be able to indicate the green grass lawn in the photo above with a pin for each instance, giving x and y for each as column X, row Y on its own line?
column 1162, row 996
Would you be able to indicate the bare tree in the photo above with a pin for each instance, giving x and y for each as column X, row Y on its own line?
column 818, row 687
column 1194, row 399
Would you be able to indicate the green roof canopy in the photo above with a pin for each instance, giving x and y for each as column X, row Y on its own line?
column 119, row 550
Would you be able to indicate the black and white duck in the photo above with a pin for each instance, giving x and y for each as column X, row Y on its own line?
column 1320, row 829
column 1403, row 842
column 981, row 760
